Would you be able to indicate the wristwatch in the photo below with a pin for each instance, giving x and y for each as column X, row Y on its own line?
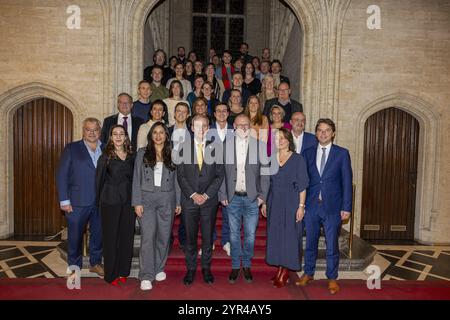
column 301, row 205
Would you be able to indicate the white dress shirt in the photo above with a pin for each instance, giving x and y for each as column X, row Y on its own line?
column 298, row 141
column 222, row 132
column 129, row 126
column 158, row 173
column 319, row 154
column 241, row 156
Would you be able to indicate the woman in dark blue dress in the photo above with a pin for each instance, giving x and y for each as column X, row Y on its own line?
column 285, row 209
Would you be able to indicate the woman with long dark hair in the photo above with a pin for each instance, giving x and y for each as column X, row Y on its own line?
column 114, row 178
column 156, row 198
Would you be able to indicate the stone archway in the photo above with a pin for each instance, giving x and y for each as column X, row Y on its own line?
column 9, row 102
column 321, row 22
column 428, row 161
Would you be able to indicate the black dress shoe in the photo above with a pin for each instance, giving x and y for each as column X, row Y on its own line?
column 189, row 277
column 207, row 276
column 247, row 275
column 233, row 275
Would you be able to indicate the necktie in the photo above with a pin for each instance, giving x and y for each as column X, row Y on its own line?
column 125, row 123
column 322, row 160
column 200, row 155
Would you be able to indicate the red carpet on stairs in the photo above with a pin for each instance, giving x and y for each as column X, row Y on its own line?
column 260, row 289
column 222, row 262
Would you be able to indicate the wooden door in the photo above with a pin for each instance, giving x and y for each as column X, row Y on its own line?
column 391, row 141
column 42, row 128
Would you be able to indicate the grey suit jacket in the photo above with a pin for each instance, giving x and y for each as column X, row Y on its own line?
column 257, row 184
column 144, row 180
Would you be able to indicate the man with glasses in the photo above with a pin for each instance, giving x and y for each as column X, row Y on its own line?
column 289, row 105
column 75, row 181
column 123, row 117
column 244, row 189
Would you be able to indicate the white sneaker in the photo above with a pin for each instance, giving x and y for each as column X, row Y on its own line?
column 161, row 276
column 146, row 285
column 227, row 248
column 200, row 251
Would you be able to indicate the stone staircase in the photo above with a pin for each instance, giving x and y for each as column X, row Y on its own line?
column 362, row 252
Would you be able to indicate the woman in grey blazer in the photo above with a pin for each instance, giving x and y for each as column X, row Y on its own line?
column 156, row 198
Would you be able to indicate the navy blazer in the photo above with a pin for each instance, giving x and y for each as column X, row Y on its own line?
column 75, row 178
column 309, row 140
column 335, row 183
column 112, row 120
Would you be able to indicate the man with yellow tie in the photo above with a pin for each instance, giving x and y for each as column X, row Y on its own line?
column 199, row 177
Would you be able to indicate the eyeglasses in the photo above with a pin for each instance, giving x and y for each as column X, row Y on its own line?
column 91, row 130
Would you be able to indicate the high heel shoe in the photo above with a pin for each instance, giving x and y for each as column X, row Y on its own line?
column 115, row 282
column 123, row 279
column 277, row 276
column 283, row 279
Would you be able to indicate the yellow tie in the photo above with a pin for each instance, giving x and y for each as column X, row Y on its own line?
column 200, row 155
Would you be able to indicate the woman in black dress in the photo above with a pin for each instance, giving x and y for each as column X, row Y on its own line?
column 114, row 178
column 285, row 208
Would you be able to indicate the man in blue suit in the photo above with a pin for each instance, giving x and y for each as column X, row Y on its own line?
column 302, row 140
column 76, row 190
column 328, row 201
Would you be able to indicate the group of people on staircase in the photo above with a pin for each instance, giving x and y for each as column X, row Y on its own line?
column 163, row 156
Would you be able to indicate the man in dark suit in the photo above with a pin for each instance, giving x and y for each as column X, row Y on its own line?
column 328, row 201
column 289, row 105
column 125, row 118
column 302, row 139
column 200, row 177
column 75, row 181
column 221, row 129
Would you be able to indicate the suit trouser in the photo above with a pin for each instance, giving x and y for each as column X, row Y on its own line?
column 225, row 230
column 76, row 224
column 332, row 228
column 118, row 225
column 156, row 228
column 192, row 215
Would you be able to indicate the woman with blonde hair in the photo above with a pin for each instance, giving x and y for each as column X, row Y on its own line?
column 268, row 90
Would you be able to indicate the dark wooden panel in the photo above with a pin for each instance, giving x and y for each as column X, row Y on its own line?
column 42, row 128
column 391, row 141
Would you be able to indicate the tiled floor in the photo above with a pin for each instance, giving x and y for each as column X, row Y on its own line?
column 30, row 259
column 415, row 262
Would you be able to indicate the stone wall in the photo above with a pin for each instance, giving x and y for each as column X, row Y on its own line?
column 405, row 64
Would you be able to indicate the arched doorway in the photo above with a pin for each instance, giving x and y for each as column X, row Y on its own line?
column 391, row 144
column 41, row 129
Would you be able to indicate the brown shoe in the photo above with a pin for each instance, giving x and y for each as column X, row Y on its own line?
column 304, row 280
column 98, row 269
column 333, row 286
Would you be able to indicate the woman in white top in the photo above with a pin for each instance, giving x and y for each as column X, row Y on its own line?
column 179, row 75
column 176, row 94
column 157, row 113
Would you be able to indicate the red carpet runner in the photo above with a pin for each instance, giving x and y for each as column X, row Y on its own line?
column 260, row 289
